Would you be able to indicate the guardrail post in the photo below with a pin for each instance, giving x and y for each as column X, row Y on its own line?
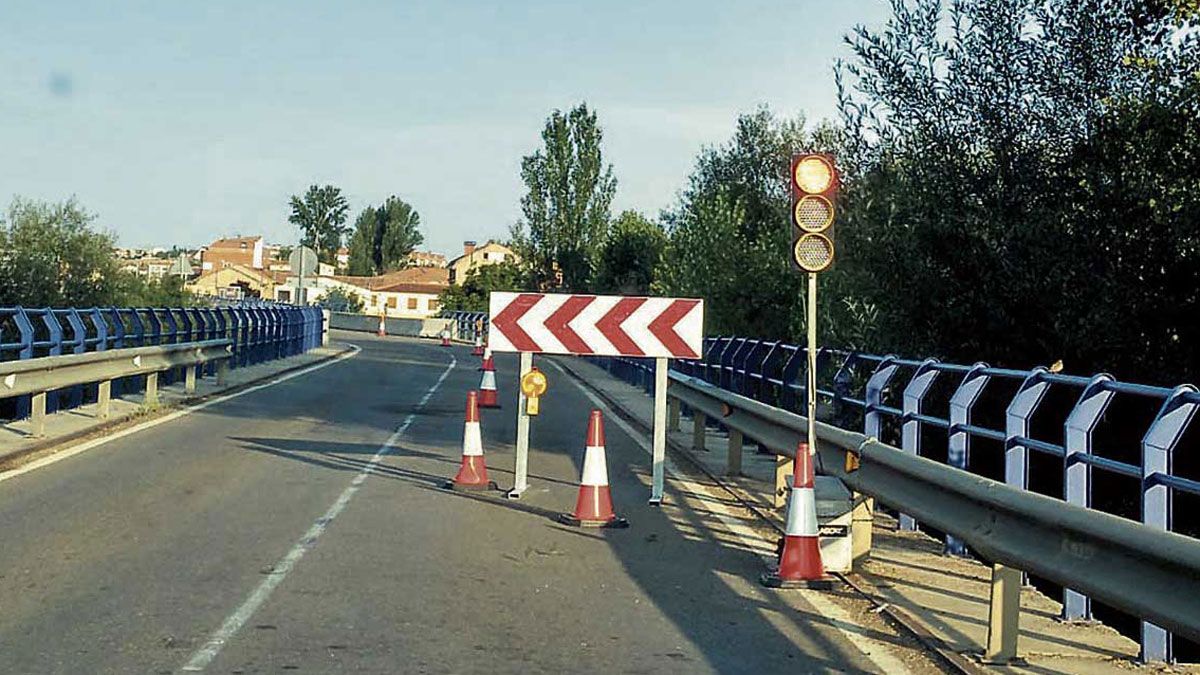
column 104, row 399
column 189, row 378
column 733, row 459
column 784, row 467
column 674, row 407
column 37, row 414
column 223, row 372
column 1077, row 475
column 1158, row 450
column 959, row 443
column 862, row 524
column 699, row 431
column 151, row 397
column 1004, row 614
column 910, row 431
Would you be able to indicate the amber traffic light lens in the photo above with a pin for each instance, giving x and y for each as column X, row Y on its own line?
column 813, row 252
column 813, row 213
column 813, row 174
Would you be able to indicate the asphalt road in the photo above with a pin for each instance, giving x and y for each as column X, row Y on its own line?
column 246, row 537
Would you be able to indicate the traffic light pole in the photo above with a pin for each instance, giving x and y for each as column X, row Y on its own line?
column 811, row 387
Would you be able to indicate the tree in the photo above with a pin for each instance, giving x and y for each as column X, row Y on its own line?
column 994, row 208
column 631, row 254
column 341, row 300
column 51, row 256
column 566, row 206
column 384, row 237
column 321, row 217
column 472, row 294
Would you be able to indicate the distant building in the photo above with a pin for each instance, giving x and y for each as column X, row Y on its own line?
column 409, row 293
column 426, row 259
column 235, row 282
column 342, row 259
column 474, row 256
column 244, row 251
column 147, row 266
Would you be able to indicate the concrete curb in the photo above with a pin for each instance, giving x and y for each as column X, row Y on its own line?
column 13, row 460
column 864, row 587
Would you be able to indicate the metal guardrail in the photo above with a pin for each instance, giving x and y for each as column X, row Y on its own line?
column 1147, row 572
column 37, row 377
column 256, row 333
column 467, row 325
column 772, row 372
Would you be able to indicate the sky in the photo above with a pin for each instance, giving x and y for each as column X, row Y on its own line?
column 181, row 122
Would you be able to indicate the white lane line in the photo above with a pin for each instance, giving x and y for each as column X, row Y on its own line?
column 84, row 447
column 876, row 651
column 204, row 656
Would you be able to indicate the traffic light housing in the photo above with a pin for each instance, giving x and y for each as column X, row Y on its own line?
column 814, row 186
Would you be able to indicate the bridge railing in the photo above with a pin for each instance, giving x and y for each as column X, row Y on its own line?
column 257, row 333
column 467, row 325
column 886, row 394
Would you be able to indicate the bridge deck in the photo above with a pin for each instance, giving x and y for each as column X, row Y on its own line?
column 293, row 528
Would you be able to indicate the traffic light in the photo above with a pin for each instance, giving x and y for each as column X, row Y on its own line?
column 814, row 181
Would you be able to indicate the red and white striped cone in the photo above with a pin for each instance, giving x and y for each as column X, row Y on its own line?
column 594, row 507
column 486, row 363
column 472, row 474
column 800, row 558
column 445, row 338
column 382, row 332
column 488, row 398
column 478, row 350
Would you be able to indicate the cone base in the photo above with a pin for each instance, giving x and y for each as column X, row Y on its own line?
column 470, row 487
column 773, row 580
column 614, row 523
column 494, row 406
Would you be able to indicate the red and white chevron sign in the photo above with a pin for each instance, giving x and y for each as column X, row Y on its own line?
column 604, row 325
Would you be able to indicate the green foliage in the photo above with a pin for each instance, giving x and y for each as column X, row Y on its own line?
column 135, row 291
column 341, row 300
column 51, row 256
column 472, row 294
column 566, row 207
column 631, row 254
column 384, row 237
column 321, row 217
column 1021, row 187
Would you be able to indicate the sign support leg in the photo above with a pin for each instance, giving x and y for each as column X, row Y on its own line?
column 521, row 470
column 660, row 430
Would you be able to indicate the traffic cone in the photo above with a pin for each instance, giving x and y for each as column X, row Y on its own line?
column 445, row 338
column 478, row 350
column 487, row 386
column 472, row 474
column 382, row 332
column 800, row 558
column 486, row 364
column 594, row 508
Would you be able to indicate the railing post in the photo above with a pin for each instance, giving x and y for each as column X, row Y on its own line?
column 1077, row 488
column 1016, row 426
column 910, row 431
column 56, row 343
column 1158, row 450
column 959, row 443
column 873, row 398
column 1004, row 615
column 25, row 329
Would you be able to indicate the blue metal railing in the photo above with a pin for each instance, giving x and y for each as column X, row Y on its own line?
column 259, row 332
column 467, row 325
column 851, row 384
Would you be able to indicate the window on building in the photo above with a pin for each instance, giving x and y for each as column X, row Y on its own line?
column 392, row 303
column 412, row 303
column 434, row 304
column 374, row 299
